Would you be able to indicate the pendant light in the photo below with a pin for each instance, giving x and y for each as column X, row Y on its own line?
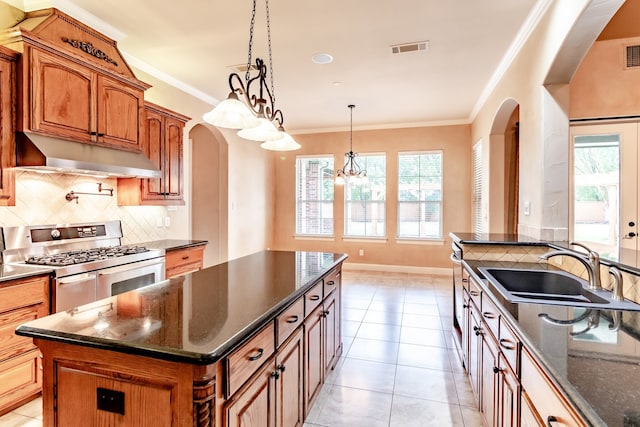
column 250, row 106
column 351, row 169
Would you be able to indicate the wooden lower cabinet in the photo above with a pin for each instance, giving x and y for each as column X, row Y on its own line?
column 508, row 395
column 314, row 368
column 274, row 395
column 183, row 261
column 489, row 403
column 21, row 300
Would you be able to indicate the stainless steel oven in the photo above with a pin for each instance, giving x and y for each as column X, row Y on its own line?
column 88, row 260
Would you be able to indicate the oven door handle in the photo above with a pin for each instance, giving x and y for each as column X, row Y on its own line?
column 84, row 277
column 131, row 267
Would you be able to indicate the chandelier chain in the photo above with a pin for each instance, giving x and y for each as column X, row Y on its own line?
column 247, row 74
column 273, row 89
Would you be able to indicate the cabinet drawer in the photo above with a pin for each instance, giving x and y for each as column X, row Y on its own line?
column 475, row 292
column 289, row 320
column 10, row 343
column 509, row 345
column 21, row 293
column 20, row 377
column 490, row 316
column 183, row 261
column 332, row 281
column 312, row 298
column 246, row 360
column 547, row 401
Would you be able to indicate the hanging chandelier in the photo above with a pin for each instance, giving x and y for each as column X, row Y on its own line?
column 351, row 168
column 250, row 106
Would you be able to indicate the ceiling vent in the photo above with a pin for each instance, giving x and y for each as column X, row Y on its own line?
column 633, row 56
column 410, row 47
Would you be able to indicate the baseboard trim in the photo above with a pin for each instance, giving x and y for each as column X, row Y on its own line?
column 352, row 266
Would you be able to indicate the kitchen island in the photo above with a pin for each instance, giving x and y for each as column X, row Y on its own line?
column 549, row 364
column 207, row 348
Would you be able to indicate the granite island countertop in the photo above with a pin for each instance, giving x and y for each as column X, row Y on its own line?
column 594, row 361
column 197, row 318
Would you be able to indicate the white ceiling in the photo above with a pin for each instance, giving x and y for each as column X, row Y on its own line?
column 195, row 42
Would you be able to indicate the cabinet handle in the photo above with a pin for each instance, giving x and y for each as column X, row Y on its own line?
column 496, row 370
column 489, row 315
column 185, row 257
column 314, row 297
column 325, row 313
column 281, row 368
column 331, row 283
column 477, row 330
column 465, row 280
column 474, row 293
column 275, row 374
column 293, row 319
column 465, row 305
column 551, row 419
column 509, row 345
column 257, row 356
column 93, row 133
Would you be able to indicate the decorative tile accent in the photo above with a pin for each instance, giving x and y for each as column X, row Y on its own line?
column 40, row 200
column 505, row 253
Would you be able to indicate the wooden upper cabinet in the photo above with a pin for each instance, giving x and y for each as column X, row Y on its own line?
column 70, row 100
column 7, row 127
column 74, row 83
column 163, row 143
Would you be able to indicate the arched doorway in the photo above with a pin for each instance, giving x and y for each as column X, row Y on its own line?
column 209, row 191
column 503, row 168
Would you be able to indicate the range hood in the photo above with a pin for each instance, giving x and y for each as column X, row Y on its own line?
column 46, row 153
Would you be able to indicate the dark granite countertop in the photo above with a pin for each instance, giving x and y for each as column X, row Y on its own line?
column 598, row 368
column 173, row 244
column 14, row 271
column 196, row 318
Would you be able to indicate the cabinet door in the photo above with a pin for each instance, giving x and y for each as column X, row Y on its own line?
column 290, row 396
column 475, row 352
column 172, row 172
column 152, row 189
column 489, row 378
column 509, row 395
column 7, row 129
column 528, row 415
column 254, row 405
column 330, row 332
column 118, row 114
column 62, row 97
column 314, row 368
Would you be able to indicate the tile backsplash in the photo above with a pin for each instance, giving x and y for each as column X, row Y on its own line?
column 40, row 200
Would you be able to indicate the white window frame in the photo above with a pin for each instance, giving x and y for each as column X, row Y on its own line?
column 326, row 206
column 362, row 161
column 422, row 204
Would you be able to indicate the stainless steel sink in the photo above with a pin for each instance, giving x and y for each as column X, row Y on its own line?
column 550, row 287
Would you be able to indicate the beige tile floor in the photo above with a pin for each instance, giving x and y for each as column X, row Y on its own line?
column 398, row 368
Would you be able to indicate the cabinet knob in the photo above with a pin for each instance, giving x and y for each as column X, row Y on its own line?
column 496, row 369
column 275, row 374
column 465, row 305
column 331, row 282
column 281, row 368
column 551, row 419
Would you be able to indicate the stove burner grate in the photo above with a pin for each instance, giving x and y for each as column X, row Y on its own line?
column 85, row 255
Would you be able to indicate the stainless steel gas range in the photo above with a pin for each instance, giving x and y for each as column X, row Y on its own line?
column 88, row 260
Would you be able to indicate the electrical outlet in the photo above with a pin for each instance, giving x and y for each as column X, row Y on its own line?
column 159, row 221
column 167, row 221
column 361, row 252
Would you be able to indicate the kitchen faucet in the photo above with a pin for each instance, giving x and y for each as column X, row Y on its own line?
column 591, row 262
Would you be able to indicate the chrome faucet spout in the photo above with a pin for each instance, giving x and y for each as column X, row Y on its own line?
column 617, row 292
column 591, row 261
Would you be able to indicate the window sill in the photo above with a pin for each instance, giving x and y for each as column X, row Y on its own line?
column 429, row 242
column 314, row 237
column 366, row 239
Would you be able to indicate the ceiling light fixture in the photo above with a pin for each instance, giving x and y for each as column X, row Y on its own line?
column 255, row 115
column 351, row 168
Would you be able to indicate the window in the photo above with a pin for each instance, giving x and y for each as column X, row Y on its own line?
column 314, row 195
column 364, row 202
column 420, row 195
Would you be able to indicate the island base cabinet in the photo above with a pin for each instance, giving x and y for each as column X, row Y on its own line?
column 273, row 397
column 110, row 402
column 541, row 398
